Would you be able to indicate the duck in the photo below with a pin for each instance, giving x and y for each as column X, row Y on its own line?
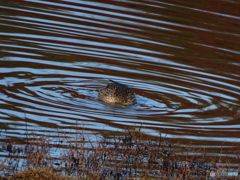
column 117, row 93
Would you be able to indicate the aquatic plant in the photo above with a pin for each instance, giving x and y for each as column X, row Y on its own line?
column 125, row 155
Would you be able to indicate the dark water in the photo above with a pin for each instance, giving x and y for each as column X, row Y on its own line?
column 180, row 58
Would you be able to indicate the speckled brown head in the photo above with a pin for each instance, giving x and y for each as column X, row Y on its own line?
column 116, row 93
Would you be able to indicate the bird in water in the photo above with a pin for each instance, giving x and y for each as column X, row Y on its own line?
column 116, row 93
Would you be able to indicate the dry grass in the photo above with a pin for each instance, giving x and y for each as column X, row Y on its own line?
column 37, row 174
column 129, row 155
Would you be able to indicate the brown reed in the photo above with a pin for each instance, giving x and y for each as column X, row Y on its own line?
column 130, row 154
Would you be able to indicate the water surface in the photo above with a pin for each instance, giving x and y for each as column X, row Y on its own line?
column 180, row 58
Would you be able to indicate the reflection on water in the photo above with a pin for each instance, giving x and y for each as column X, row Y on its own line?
column 181, row 60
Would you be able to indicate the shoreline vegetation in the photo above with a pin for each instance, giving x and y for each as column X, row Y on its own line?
column 127, row 155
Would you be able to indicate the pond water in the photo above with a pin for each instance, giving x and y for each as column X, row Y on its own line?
column 180, row 58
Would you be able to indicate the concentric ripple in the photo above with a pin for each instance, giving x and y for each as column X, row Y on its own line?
column 182, row 64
